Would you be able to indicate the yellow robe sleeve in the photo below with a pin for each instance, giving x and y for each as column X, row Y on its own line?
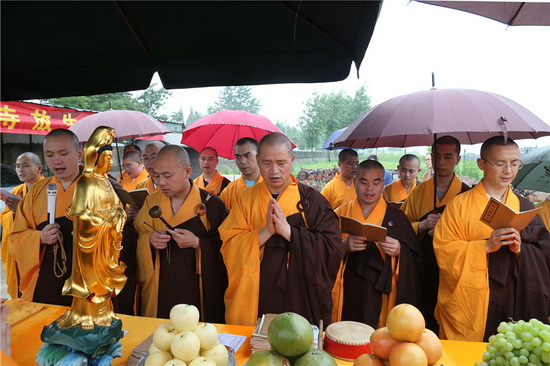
column 10, row 268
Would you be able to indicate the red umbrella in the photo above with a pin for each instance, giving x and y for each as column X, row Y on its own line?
column 222, row 129
column 127, row 125
column 471, row 116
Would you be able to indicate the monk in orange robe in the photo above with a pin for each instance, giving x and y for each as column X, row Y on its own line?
column 281, row 244
column 341, row 188
column 29, row 170
column 246, row 150
column 490, row 275
column 424, row 214
column 377, row 275
column 148, row 158
column 43, row 251
column 398, row 190
column 135, row 172
column 210, row 179
column 545, row 213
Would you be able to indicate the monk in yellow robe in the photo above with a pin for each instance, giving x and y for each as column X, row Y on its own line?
column 490, row 275
column 424, row 214
column 210, row 180
column 29, row 170
column 281, row 244
column 135, row 172
column 376, row 275
column 341, row 188
column 43, row 251
column 246, row 150
column 545, row 213
column 128, row 148
column 183, row 264
column 148, row 158
column 408, row 169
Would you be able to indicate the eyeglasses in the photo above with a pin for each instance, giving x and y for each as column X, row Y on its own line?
column 128, row 166
column 516, row 164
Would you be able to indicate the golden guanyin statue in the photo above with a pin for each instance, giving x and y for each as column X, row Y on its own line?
column 98, row 218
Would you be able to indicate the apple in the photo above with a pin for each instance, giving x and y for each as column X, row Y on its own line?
column 175, row 362
column 184, row 317
column 158, row 358
column 202, row 361
column 163, row 336
column 153, row 349
column 208, row 335
column 186, row 346
column 218, row 354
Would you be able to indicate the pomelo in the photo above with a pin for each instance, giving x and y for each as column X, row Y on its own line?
column 267, row 358
column 315, row 357
column 368, row 359
column 405, row 323
column 290, row 334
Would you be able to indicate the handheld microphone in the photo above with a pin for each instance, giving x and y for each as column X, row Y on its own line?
column 51, row 190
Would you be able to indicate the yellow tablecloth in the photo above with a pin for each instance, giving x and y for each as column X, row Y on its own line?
column 25, row 339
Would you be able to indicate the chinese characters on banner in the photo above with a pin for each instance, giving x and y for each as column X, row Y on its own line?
column 36, row 119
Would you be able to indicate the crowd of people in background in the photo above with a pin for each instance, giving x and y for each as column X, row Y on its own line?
column 268, row 243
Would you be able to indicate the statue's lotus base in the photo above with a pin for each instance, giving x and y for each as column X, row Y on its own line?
column 75, row 346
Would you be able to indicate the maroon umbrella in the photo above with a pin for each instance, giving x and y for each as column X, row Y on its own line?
column 511, row 13
column 471, row 116
column 222, row 129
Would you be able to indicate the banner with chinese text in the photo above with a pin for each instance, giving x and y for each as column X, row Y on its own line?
column 37, row 119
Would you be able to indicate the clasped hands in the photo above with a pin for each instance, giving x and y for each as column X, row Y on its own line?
column 429, row 223
column 506, row 236
column 390, row 246
column 183, row 238
column 275, row 223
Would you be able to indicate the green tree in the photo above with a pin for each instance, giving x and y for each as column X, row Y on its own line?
column 325, row 113
column 153, row 100
column 293, row 133
column 236, row 98
column 178, row 116
column 193, row 116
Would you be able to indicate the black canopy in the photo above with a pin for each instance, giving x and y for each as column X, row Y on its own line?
column 68, row 48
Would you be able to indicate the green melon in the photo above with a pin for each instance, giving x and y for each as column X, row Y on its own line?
column 290, row 334
column 267, row 358
column 315, row 357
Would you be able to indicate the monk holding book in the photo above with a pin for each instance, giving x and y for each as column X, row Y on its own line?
column 490, row 275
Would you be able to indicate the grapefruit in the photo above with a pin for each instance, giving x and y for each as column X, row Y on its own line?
column 430, row 343
column 368, row 359
column 315, row 357
column 267, row 358
column 405, row 323
column 290, row 334
column 381, row 343
column 409, row 354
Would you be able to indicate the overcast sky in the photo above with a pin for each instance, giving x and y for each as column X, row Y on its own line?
column 409, row 42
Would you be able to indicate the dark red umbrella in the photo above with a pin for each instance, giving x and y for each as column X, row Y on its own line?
column 222, row 129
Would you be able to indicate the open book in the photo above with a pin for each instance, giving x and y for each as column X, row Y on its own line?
column 497, row 215
column 136, row 197
column 5, row 194
column 369, row 231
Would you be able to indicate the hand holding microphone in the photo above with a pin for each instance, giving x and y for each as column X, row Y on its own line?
column 48, row 235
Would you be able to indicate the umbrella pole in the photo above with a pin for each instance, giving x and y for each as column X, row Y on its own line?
column 118, row 156
column 434, row 166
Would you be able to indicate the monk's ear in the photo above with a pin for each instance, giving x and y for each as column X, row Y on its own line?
column 480, row 163
column 40, row 168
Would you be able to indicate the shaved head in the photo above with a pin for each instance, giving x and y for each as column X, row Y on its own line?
column 275, row 138
column 210, row 149
column 158, row 144
column 369, row 165
column 178, row 153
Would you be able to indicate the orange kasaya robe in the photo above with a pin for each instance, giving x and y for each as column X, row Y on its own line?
column 421, row 200
column 459, row 243
column 234, row 189
column 6, row 221
column 353, row 209
column 545, row 213
column 337, row 191
column 396, row 191
column 129, row 183
column 148, row 184
column 25, row 237
column 216, row 184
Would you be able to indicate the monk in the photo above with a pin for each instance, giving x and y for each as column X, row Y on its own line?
column 246, row 150
column 488, row 276
column 148, row 158
column 29, row 170
column 135, row 172
column 210, row 179
column 377, row 275
column 341, row 188
column 545, row 213
column 429, row 172
column 128, row 148
column 43, row 251
column 424, row 214
column 408, row 169
column 281, row 244
column 183, row 264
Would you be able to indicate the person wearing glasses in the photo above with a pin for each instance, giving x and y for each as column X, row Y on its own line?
column 424, row 215
column 135, row 172
column 489, row 276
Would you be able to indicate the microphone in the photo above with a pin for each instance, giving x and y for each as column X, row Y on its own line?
column 51, row 190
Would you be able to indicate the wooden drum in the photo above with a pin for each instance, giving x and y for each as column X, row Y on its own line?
column 347, row 340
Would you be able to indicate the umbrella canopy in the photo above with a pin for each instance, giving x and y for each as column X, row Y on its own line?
column 222, row 129
column 329, row 144
column 507, row 12
column 471, row 116
column 87, row 47
column 535, row 174
column 127, row 125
